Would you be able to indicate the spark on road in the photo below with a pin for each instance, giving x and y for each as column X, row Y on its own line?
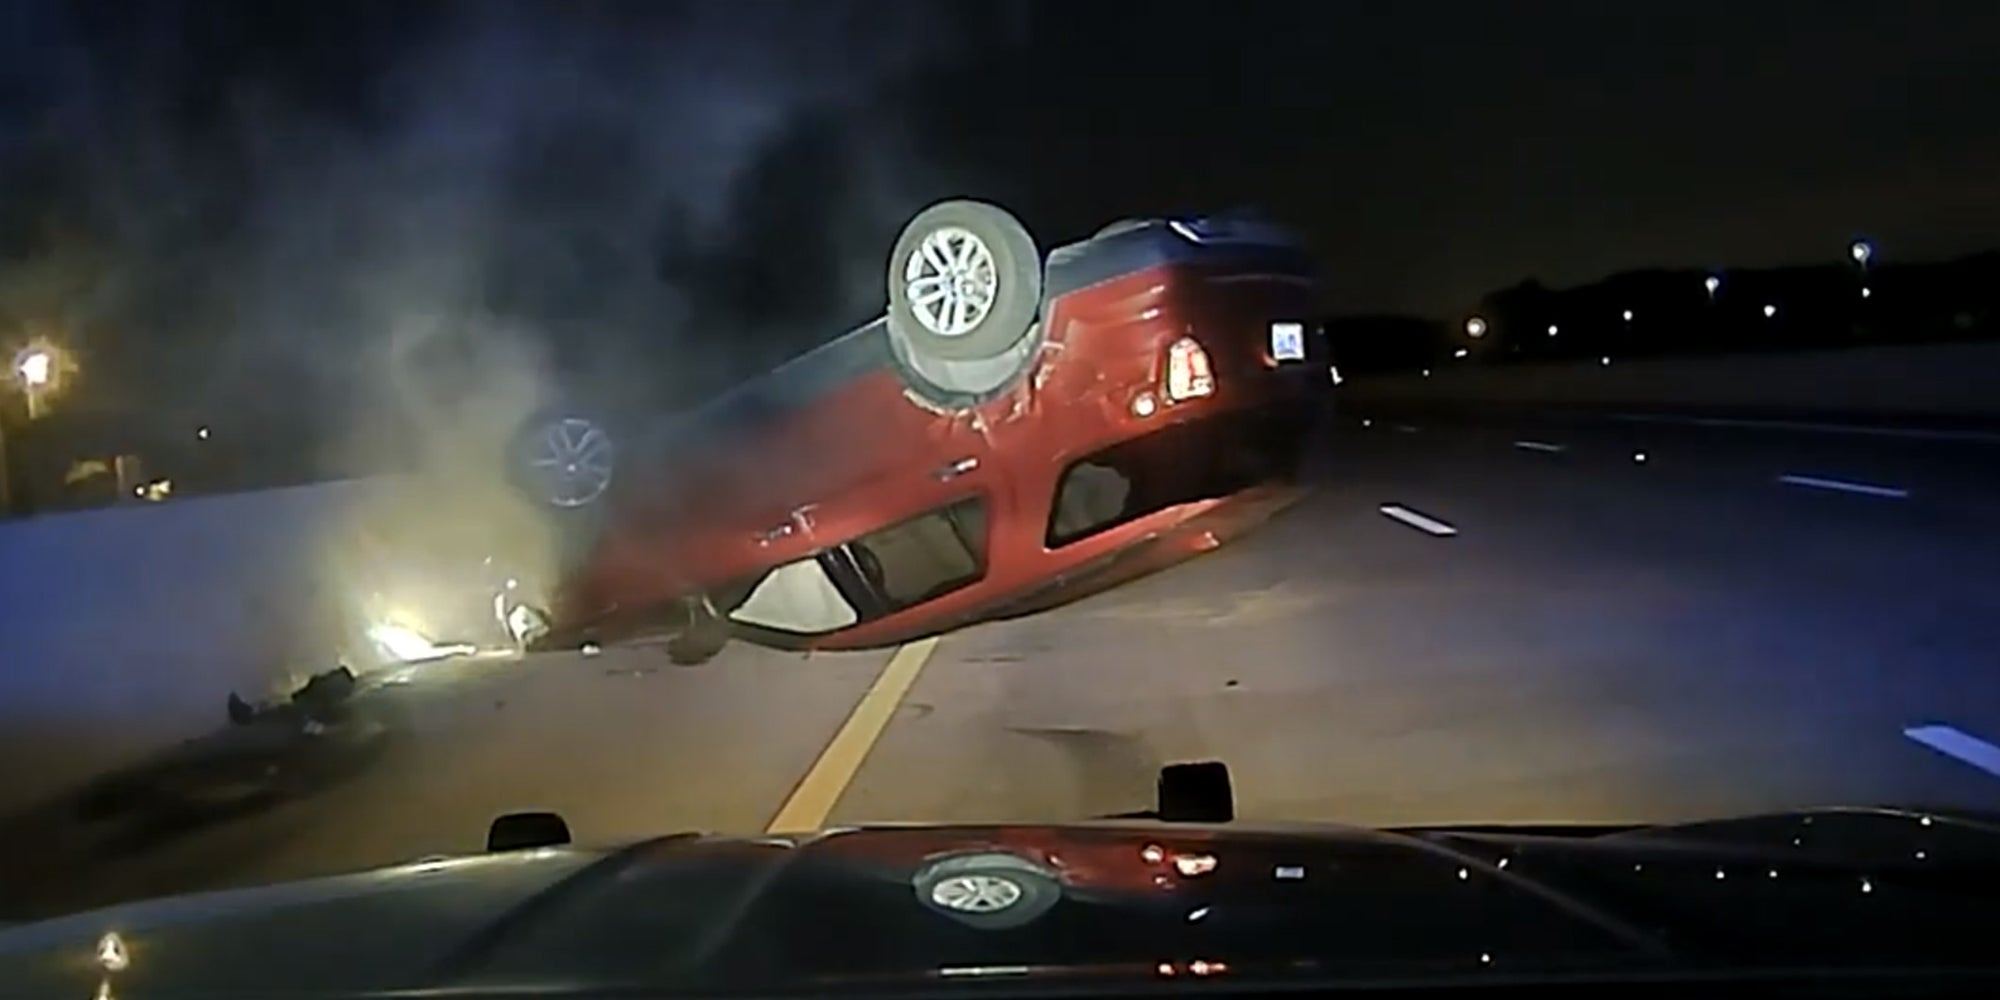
column 1956, row 743
column 1421, row 522
column 1539, row 446
column 1842, row 486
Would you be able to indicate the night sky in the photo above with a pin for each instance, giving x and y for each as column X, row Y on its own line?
column 311, row 191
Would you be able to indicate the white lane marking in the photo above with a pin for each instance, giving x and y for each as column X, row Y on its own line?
column 1421, row 522
column 1865, row 489
column 1539, row 446
column 1957, row 743
column 1860, row 430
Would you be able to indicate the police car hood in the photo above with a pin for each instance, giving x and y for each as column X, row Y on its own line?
column 944, row 908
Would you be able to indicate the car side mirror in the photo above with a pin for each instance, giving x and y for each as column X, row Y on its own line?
column 1198, row 792
column 524, row 831
column 1190, row 793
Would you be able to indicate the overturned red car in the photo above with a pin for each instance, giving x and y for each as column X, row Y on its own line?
column 1012, row 429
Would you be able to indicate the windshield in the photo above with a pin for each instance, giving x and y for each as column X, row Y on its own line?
column 676, row 417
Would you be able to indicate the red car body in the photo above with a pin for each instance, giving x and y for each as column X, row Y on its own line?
column 803, row 469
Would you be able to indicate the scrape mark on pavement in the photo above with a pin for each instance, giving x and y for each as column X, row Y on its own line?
column 1246, row 608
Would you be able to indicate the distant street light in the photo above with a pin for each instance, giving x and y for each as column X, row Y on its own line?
column 1861, row 251
column 36, row 367
column 1461, row 352
column 1770, row 311
column 1552, row 329
column 39, row 368
column 1711, row 283
column 1475, row 327
column 201, row 432
column 1628, row 315
column 1866, row 291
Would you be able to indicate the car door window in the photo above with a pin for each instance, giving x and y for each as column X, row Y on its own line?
column 926, row 556
column 880, row 573
column 1090, row 498
column 796, row 597
column 1177, row 465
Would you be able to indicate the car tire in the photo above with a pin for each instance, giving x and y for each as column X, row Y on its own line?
column 989, row 890
column 961, row 385
column 704, row 636
column 965, row 283
column 564, row 458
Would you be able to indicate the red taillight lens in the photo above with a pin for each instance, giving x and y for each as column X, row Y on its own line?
column 1189, row 375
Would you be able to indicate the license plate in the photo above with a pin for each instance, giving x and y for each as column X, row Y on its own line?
column 1288, row 341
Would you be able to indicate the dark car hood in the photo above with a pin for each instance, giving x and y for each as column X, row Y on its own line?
column 873, row 907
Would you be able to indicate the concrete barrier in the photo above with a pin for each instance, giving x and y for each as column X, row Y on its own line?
column 1935, row 380
column 123, row 630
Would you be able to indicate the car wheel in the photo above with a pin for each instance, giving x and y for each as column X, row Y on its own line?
column 991, row 890
column 959, row 385
column 704, row 636
column 965, row 283
column 564, row 458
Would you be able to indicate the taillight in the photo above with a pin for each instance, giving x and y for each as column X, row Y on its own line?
column 1189, row 375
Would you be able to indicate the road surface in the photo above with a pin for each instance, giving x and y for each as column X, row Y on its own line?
column 1610, row 620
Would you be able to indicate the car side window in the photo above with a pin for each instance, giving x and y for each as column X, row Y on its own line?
column 926, row 556
column 1130, row 480
column 905, row 564
column 797, row 597
column 1092, row 497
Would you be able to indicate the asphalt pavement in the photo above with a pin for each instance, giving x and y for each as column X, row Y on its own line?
column 1555, row 620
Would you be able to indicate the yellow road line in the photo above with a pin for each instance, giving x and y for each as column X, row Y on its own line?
column 814, row 798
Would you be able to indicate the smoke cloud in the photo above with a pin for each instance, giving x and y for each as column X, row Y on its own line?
column 393, row 207
column 388, row 233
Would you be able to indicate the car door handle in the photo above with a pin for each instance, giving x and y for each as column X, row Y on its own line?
column 800, row 520
column 956, row 469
